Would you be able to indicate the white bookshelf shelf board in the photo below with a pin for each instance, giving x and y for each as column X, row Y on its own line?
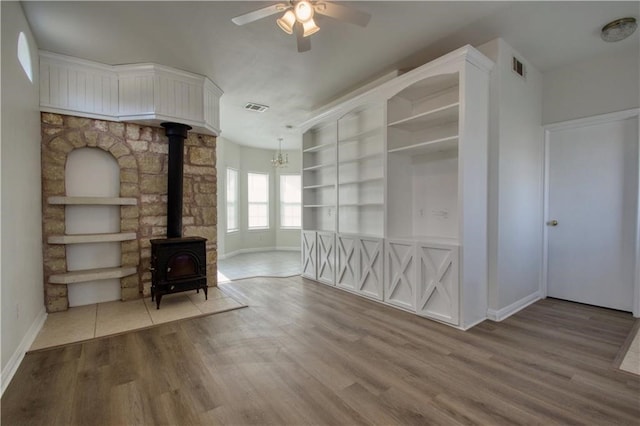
column 435, row 117
column 318, row 167
column 324, row 185
column 361, row 204
column 318, row 206
column 91, row 238
column 363, row 181
column 428, row 147
column 321, row 147
column 92, row 275
column 361, row 158
column 87, row 201
column 365, row 136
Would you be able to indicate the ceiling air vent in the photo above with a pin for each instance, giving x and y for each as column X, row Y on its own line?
column 518, row 67
column 250, row 106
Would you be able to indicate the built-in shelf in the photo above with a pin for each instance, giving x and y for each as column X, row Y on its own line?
column 362, row 136
column 427, row 147
column 361, row 204
column 362, row 181
column 319, row 147
column 92, row 275
column 91, row 238
column 438, row 116
column 361, row 158
column 316, row 206
column 324, row 185
column 107, row 201
column 318, row 166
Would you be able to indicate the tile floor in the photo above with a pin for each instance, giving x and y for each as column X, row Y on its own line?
column 259, row 264
column 104, row 319
column 631, row 361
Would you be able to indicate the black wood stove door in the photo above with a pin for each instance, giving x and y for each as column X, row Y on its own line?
column 177, row 264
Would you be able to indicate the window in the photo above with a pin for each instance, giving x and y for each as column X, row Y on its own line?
column 290, row 208
column 258, row 189
column 24, row 55
column 232, row 200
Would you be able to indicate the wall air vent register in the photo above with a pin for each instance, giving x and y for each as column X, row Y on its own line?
column 250, row 106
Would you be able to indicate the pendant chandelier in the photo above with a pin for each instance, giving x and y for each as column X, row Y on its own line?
column 280, row 160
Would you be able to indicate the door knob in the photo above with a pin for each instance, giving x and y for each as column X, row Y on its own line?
column 552, row 223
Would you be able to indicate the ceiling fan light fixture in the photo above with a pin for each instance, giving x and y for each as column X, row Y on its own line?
column 309, row 28
column 303, row 11
column 286, row 22
column 619, row 29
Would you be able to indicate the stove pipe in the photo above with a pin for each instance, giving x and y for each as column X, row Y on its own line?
column 176, row 133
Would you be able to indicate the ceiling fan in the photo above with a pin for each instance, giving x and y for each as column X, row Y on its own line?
column 298, row 17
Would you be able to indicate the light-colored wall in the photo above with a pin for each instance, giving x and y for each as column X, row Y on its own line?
column 598, row 85
column 21, row 256
column 287, row 238
column 248, row 159
column 515, row 180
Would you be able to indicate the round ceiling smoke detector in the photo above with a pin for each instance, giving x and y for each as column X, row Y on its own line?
column 619, row 29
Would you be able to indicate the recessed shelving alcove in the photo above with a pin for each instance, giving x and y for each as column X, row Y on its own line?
column 92, row 228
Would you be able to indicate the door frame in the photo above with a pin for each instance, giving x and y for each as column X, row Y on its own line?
column 571, row 124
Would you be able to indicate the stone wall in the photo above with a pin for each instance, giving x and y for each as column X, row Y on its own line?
column 141, row 153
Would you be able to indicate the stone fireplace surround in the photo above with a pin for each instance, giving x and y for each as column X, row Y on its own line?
column 141, row 153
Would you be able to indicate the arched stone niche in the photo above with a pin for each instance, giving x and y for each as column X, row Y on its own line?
column 92, row 172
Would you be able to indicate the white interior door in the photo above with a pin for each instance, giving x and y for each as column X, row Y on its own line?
column 592, row 213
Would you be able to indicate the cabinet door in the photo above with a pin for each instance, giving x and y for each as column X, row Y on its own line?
column 309, row 254
column 370, row 267
column 400, row 282
column 347, row 262
column 326, row 257
column 438, row 287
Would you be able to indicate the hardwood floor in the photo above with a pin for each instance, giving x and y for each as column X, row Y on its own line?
column 304, row 353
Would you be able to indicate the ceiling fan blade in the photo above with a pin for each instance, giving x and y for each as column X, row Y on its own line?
column 260, row 13
column 342, row 13
column 304, row 43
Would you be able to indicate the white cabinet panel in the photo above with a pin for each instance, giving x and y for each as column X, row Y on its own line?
column 309, row 254
column 326, row 257
column 146, row 94
column 347, row 262
column 68, row 85
column 438, row 286
column 136, row 94
column 400, row 276
column 370, row 267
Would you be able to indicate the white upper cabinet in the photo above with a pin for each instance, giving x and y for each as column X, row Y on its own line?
column 147, row 94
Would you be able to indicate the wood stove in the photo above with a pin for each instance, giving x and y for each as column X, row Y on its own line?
column 177, row 263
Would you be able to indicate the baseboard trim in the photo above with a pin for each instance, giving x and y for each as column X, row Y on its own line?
column 472, row 324
column 507, row 311
column 16, row 359
column 255, row 250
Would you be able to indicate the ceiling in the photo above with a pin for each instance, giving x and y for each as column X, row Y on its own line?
column 259, row 63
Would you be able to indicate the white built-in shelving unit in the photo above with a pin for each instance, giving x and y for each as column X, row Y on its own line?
column 395, row 208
